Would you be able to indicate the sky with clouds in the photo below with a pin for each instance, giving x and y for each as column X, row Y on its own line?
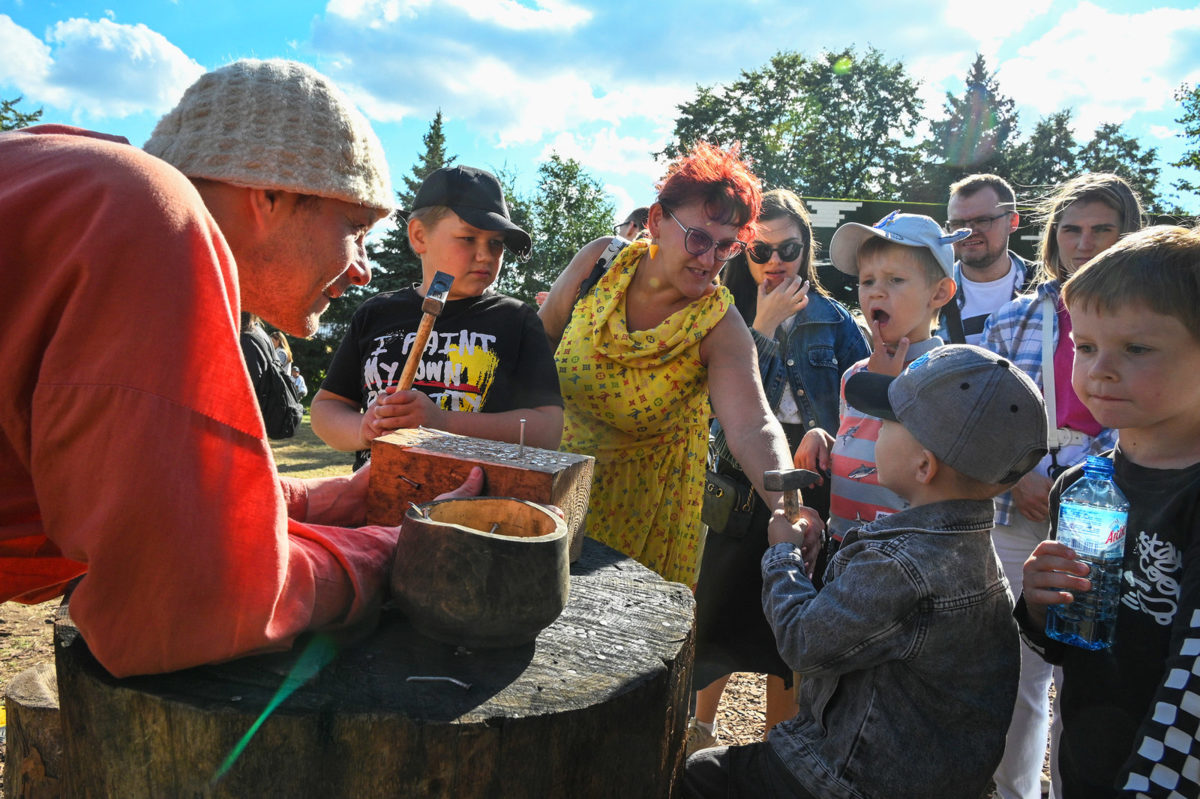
column 598, row 82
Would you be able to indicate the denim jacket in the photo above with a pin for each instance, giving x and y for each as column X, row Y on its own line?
column 910, row 657
column 823, row 343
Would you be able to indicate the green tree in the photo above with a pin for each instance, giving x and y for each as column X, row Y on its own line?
column 1112, row 151
column 393, row 264
column 1048, row 156
column 11, row 118
column 839, row 125
column 975, row 135
column 1189, row 98
column 396, row 265
column 569, row 209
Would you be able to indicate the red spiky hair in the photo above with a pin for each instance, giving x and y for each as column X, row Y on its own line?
column 718, row 178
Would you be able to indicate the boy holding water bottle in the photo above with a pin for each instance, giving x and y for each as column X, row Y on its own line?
column 1131, row 711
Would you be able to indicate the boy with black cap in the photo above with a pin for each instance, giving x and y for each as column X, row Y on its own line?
column 911, row 642
column 487, row 353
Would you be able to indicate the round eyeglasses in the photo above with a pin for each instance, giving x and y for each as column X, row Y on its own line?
column 697, row 242
column 760, row 252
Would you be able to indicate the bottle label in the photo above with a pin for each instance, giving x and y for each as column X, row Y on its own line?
column 1090, row 530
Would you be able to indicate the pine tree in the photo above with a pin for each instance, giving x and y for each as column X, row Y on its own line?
column 12, row 119
column 978, row 129
column 1048, row 157
column 1112, row 151
column 395, row 264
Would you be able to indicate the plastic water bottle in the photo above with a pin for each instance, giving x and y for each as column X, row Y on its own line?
column 1092, row 515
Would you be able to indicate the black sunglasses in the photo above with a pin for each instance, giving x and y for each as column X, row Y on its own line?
column 760, row 251
column 697, row 242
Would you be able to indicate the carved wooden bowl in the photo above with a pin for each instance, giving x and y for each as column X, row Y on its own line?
column 481, row 572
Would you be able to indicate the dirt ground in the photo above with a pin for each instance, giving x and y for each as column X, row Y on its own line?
column 25, row 639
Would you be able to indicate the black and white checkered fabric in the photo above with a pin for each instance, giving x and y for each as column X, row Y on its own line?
column 1167, row 763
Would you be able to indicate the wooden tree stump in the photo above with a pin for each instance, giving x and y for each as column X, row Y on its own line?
column 33, row 758
column 596, row 706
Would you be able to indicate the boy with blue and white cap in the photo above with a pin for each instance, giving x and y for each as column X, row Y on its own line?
column 912, row 638
column 905, row 269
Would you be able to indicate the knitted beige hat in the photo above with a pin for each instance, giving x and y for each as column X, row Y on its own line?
column 275, row 125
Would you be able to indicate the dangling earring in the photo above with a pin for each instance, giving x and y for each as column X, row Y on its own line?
column 653, row 251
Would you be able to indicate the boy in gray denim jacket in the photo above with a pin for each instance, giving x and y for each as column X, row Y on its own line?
column 909, row 653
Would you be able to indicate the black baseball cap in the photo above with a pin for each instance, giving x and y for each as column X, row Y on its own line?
column 478, row 199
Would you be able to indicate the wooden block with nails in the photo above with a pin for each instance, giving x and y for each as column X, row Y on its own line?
column 416, row 465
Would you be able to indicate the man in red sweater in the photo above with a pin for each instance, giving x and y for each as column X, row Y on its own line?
column 132, row 451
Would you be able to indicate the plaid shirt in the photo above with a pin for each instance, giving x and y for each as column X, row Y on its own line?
column 1014, row 332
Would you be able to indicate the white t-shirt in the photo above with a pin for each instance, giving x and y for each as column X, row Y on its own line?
column 789, row 412
column 981, row 300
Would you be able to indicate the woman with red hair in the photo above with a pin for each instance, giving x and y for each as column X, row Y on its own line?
column 644, row 350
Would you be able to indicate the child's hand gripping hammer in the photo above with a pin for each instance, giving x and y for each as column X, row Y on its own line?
column 790, row 482
column 431, row 308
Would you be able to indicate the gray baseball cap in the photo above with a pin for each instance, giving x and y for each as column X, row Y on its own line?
column 911, row 230
column 974, row 410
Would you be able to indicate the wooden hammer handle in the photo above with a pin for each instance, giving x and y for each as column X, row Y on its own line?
column 791, row 505
column 414, row 355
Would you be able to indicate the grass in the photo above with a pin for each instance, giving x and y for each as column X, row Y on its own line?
column 305, row 455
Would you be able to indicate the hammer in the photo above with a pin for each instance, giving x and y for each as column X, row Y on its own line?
column 431, row 308
column 790, row 482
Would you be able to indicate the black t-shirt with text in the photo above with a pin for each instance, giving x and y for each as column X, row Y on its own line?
column 486, row 353
column 1131, row 713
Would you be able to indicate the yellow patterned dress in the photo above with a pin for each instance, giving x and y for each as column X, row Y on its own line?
column 638, row 402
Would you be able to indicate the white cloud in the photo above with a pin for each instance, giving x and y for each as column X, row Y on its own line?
column 1163, row 132
column 512, row 104
column 991, row 23
column 609, row 152
column 376, row 107
column 100, row 67
column 1105, row 66
column 376, row 12
column 938, row 74
column 26, row 58
column 546, row 15
column 623, row 202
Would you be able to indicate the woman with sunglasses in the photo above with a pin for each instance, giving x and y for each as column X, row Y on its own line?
column 644, row 350
column 805, row 341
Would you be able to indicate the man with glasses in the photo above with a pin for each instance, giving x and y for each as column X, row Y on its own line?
column 988, row 274
column 633, row 225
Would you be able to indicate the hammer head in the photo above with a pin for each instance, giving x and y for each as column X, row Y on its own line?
column 435, row 297
column 789, row 479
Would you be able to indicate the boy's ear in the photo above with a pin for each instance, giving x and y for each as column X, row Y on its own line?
column 927, row 467
column 417, row 236
column 943, row 292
